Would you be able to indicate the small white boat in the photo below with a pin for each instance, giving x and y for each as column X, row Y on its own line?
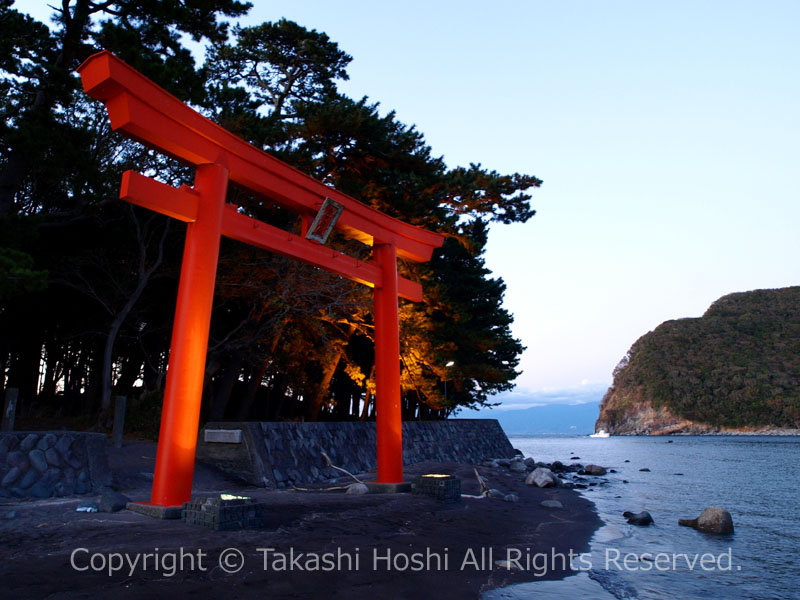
column 600, row 434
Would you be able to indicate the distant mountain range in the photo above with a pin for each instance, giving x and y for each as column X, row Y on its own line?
column 576, row 419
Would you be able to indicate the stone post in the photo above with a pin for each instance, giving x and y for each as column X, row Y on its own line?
column 10, row 409
column 119, row 420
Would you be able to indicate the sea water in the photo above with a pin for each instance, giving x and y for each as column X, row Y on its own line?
column 755, row 478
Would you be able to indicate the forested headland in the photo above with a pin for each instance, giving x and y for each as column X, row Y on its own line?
column 736, row 367
column 88, row 282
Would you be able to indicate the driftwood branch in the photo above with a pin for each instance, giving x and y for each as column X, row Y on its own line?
column 332, row 466
column 484, row 488
column 330, row 489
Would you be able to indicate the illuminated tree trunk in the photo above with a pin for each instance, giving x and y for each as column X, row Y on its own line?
column 329, row 368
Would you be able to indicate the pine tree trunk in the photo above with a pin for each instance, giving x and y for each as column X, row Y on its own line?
column 222, row 395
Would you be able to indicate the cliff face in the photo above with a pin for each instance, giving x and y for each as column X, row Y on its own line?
column 736, row 368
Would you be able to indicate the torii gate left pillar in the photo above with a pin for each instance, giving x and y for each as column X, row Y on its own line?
column 180, row 413
column 143, row 111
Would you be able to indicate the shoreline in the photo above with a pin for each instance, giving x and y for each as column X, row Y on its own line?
column 377, row 539
column 718, row 433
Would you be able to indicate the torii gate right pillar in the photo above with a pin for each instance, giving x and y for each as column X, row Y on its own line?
column 387, row 367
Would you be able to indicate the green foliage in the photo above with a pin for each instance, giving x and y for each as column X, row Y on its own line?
column 736, row 366
column 287, row 340
column 17, row 275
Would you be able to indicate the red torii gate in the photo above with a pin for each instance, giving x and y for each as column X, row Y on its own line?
column 143, row 111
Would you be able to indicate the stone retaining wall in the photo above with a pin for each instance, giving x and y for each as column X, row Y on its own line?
column 281, row 454
column 41, row 464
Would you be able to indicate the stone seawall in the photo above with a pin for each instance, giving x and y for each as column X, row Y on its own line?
column 283, row 454
column 42, row 464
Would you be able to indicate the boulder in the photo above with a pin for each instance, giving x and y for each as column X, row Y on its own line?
column 557, row 466
column 641, row 518
column 712, row 520
column 357, row 489
column 645, row 470
column 594, row 470
column 511, row 498
column 551, row 504
column 529, row 462
column 504, row 462
column 517, row 467
column 495, row 493
column 111, row 501
column 541, row 477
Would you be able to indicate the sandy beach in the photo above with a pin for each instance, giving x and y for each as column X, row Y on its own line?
column 313, row 545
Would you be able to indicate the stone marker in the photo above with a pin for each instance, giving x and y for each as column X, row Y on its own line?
column 10, row 409
column 119, row 421
column 223, row 436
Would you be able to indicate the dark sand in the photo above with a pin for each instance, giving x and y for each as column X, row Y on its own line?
column 36, row 545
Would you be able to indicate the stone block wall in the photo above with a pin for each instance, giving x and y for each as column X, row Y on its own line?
column 284, row 454
column 42, row 464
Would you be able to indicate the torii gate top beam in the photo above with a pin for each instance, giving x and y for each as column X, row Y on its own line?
column 149, row 114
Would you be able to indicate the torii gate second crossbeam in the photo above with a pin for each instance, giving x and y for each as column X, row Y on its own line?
column 143, row 111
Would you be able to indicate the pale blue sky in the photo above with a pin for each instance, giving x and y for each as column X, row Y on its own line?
column 666, row 135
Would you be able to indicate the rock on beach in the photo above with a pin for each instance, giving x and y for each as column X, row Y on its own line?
column 541, row 477
column 594, row 470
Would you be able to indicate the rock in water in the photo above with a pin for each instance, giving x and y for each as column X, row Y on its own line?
column 541, row 477
column 357, row 489
column 712, row 520
column 641, row 518
column 594, row 470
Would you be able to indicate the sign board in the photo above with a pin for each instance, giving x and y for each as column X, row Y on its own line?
column 325, row 221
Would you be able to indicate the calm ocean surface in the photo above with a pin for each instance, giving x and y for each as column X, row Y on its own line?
column 757, row 479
